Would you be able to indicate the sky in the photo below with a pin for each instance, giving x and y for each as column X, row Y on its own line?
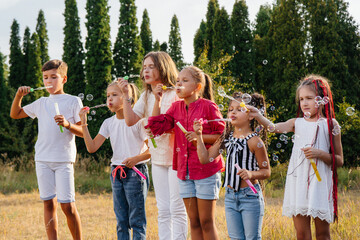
column 188, row 12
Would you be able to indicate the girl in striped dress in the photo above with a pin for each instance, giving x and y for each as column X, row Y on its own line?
column 247, row 162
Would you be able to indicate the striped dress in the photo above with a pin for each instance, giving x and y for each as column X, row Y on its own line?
column 238, row 152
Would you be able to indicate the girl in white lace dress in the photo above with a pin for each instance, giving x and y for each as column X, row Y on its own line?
column 311, row 182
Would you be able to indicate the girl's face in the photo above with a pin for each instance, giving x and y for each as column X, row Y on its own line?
column 307, row 102
column 238, row 117
column 186, row 80
column 114, row 99
column 150, row 72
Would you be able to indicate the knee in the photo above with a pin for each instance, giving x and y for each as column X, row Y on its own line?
column 303, row 235
column 50, row 205
column 68, row 208
column 323, row 234
column 207, row 224
column 195, row 223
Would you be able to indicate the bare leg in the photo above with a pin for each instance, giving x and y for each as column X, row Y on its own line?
column 207, row 218
column 302, row 227
column 50, row 218
column 73, row 219
column 322, row 229
column 193, row 213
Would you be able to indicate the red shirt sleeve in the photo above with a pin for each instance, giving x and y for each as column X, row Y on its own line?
column 214, row 113
column 162, row 123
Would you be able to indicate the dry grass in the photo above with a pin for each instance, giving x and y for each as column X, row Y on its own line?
column 21, row 217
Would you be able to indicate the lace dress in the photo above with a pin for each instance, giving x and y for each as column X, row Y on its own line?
column 304, row 194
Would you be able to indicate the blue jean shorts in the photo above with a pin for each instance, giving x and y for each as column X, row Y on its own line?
column 207, row 188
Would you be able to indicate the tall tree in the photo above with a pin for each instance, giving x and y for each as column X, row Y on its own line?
column 242, row 65
column 175, row 43
column 222, row 38
column 156, row 46
column 263, row 73
column 16, row 78
column 43, row 37
column 73, row 50
column 213, row 7
column 98, row 62
column 287, row 40
column 164, row 47
column 26, row 50
column 145, row 33
column 127, row 51
column 200, row 40
column 3, row 87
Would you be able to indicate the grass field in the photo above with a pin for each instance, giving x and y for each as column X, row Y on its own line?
column 21, row 217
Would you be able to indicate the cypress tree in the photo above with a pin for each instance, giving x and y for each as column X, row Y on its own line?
column 156, row 46
column 175, row 43
column 164, row 47
column 128, row 51
column 222, row 39
column 213, row 7
column 43, row 37
column 98, row 62
column 73, row 50
column 26, row 49
column 3, row 88
column 200, row 40
column 145, row 33
column 263, row 73
column 287, row 51
column 242, row 65
column 15, row 58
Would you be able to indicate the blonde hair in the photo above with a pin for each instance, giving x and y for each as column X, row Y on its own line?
column 133, row 93
column 206, row 90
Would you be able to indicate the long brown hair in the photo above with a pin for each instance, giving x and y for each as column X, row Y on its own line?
column 206, row 90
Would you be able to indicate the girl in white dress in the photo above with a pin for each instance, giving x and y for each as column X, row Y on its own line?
column 311, row 182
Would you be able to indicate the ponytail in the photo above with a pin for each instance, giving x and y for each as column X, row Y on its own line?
column 208, row 88
column 134, row 93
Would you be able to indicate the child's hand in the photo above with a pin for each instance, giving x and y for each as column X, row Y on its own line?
column 61, row 121
column 253, row 111
column 244, row 174
column 148, row 132
column 129, row 162
column 82, row 114
column 197, row 126
column 190, row 136
column 23, row 90
column 124, row 86
column 311, row 153
column 158, row 91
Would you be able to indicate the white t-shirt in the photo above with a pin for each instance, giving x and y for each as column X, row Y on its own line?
column 53, row 145
column 163, row 154
column 125, row 141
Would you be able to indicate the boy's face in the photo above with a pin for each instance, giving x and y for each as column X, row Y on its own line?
column 53, row 78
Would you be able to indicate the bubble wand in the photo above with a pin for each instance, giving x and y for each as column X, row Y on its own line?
column 58, row 113
column 138, row 172
column 313, row 164
column 205, row 121
column 39, row 88
column 97, row 106
column 185, row 132
column 247, row 180
column 172, row 87
column 245, row 98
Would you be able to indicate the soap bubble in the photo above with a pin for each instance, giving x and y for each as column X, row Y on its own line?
column 264, row 164
column 283, row 137
column 258, row 128
column 265, row 62
column 318, row 100
column 350, row 111
column 211, row 159
column 81, row 96
column 271, row 127
column 307, row 115
column 272, row 108
column 294, row 137
column 177, row 149
column 89, row 97
column 185, row 155
column 243, row 109
column 325, row 100
column 285, row 142
column 89, row 118
column 242, row 137
column 259, row 145
column 336, row 130
column 282, row 150
column 246, row 98
column 275, row 157
column 93, row 112
column 221, row 107
column 221, row 151
column 278, row 145
column 221, row 91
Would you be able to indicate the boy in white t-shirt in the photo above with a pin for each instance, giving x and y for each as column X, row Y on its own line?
column 55, row 149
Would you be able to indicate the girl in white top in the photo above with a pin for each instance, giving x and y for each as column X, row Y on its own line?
column 159, row 68
column 129, row 150
column 311, row 182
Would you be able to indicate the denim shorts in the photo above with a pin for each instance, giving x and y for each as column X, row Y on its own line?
column 244, row 211
column 207, row 188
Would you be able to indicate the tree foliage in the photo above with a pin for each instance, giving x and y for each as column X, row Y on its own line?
column 145, row 33
column 17, row 76
column 175, row 43
column 200, row 40
column 222, row 38
column 213, row 7
column 43, row 36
